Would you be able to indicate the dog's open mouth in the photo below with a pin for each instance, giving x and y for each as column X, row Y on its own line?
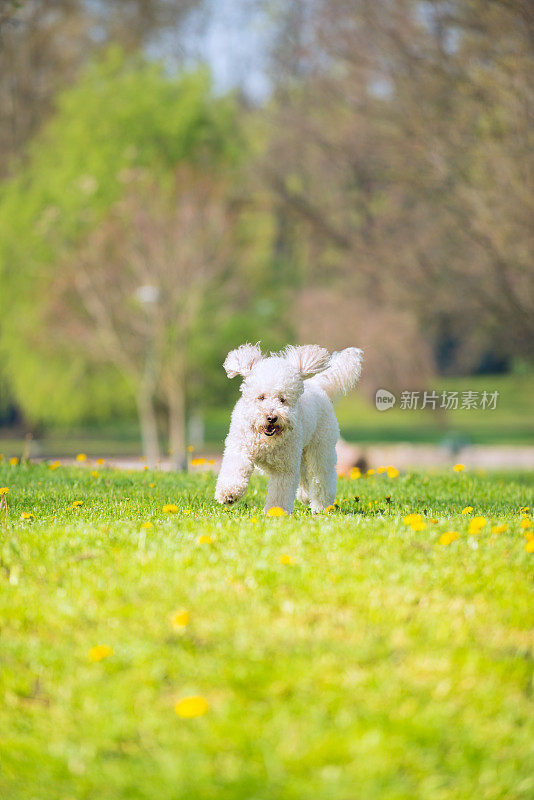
column 270, row 430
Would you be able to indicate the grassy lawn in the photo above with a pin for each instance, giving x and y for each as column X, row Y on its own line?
column 344, row 656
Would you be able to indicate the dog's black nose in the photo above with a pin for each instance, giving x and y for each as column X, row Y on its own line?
column 271, row 420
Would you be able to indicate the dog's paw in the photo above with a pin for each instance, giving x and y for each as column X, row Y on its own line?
column 303, row 496
column 227, row 496
column 317, row 507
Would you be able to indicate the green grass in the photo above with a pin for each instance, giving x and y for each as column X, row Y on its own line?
column 379, row 664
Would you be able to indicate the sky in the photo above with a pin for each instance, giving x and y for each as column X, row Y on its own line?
column 232, row 36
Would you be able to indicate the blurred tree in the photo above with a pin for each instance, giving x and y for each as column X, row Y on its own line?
column 133, row 169
column 43, row 44
column 132, row 292
column 395, row 128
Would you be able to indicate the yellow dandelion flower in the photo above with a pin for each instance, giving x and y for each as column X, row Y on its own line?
column 54, row 465
column 369, row 473
column 449, row 537
column 190, row 448
column 81, row 457
column 27, row 515
column 99, row 652
column 276, row 511
column 329, row 509
column 187, row 510
column 4, row 490
column 14, row 461
column 355, row 473
column 94, row 473
column 529, row 535
column 392, row 472
column 211, row 461
column 205, row 540
column 254, row 520
column 411, row 518
column 170, row 508
column 189, row 707
column 151, row 485
column 499, row 528
column 524, row 509
column 77, row 503
column 476, row 525
column 180, row 619
column 467, row 510
column 529, row 547
column 381, row 470
column 285, row 559
column 418, row 526
column 147, row 525
column 526, row 523
column 434, row 521
column 458, row 467
column 197, row 462
column 100, row 461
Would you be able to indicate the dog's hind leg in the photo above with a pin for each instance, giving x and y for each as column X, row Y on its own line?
column 322, row 475
column 303, row 495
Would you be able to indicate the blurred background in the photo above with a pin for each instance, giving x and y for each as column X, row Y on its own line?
column 180, row 176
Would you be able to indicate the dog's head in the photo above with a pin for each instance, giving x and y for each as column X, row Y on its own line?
column 273, row 384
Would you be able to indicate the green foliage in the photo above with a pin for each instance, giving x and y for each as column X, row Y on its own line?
column 379, row 659
column 124, row 114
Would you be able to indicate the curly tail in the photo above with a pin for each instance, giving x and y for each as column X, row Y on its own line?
column 341, row 374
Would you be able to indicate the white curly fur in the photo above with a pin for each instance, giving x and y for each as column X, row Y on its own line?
column 286, row 425
column 241, row 361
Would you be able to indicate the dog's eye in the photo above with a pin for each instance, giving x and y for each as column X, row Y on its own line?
column 261, row 397
column 282, row 399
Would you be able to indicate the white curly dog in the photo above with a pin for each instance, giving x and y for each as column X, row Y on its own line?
column 286, row 425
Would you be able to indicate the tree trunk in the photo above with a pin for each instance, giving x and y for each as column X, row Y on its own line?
column 177, row 436
column 148, row 423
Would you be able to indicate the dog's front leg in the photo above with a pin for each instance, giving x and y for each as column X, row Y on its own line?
column 282, row 490
column 234, row 475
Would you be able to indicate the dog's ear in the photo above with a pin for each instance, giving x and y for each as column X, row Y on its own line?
column 307, row 359
column 241, row 361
